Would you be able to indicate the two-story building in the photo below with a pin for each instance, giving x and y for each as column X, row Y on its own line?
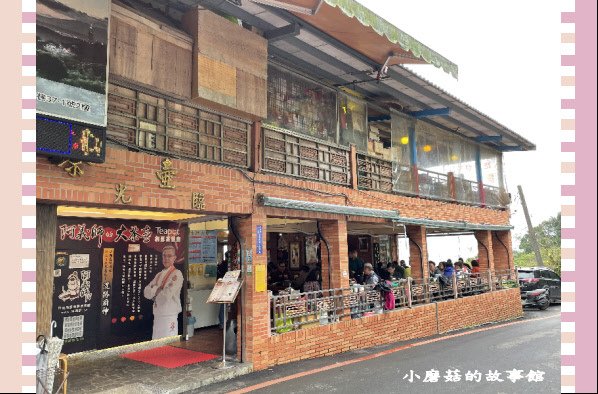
column 284, row 132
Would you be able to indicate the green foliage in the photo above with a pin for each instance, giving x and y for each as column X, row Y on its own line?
column 550, row 256
column 548, row 234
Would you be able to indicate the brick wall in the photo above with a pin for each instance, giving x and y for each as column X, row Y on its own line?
column 400, row 325
column 226, row 190
column 471, row 311
column 503, row 250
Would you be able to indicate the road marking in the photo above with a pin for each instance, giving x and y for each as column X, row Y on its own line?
column 381, row 354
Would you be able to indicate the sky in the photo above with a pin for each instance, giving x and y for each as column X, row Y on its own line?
column 508, row 53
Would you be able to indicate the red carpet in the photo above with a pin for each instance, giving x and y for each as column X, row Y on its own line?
column 169, row 357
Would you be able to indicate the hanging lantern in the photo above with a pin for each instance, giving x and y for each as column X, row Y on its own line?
column 427, row 148
column 404, row 140
column 454, row 157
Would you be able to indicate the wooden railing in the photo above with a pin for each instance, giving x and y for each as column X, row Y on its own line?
column 374, row 173
column 154, row 122
column 157, row 123
column 289, row 153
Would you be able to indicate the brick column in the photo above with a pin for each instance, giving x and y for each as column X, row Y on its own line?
column 335, row 233
column 485, row 250
column 502, row 249
column 417, row 257
column 255, row 326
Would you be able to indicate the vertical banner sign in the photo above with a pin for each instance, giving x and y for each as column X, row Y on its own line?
column 101, row 270
column 260, row 239
column 72, row 59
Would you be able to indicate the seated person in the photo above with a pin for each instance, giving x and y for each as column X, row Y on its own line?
column 280, row 278
column 475, row 269
column 434, row 272
column 390, row 272
column 300, row 279
column 369, row 276
column 312, row 282
column 399, row 270
column 355, row 266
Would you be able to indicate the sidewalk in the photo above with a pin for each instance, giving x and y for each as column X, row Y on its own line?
column 107, row 372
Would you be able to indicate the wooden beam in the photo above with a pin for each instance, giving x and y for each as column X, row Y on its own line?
column 46, row 223
column 488, row 138
column 280, row 33
column 430, row 112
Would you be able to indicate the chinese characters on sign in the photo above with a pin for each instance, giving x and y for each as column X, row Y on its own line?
column 90, row 143
column 83, row 232
column 107, row 274
column 203, row 246
column 198, row 201
column 100, row 271
column 454, row 375
column 120, row 194
column 259, row 233
column 72, row 168
column 166, row 174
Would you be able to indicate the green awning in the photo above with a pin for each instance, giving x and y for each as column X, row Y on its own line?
column 353, row 9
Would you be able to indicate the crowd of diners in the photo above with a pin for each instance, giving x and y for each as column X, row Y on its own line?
column 308, row 279
column 362, row 276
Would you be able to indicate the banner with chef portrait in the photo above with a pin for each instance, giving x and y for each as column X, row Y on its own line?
column 100, row 271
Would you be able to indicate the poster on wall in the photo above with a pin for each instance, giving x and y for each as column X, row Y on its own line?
column 102, row 268
column 72, row 59
column 203, row 259
column 312, row 245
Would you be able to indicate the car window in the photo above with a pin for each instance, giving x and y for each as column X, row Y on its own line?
column 525, row 274
column 545, row 274
column 553, row 275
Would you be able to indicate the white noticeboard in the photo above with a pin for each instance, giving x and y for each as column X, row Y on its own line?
column 226, row 289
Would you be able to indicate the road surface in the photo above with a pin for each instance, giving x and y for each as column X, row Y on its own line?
column 530, row 345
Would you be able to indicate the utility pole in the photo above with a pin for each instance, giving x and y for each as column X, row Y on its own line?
column 530, row 228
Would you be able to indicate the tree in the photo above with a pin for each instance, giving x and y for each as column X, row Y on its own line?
column 548, row 234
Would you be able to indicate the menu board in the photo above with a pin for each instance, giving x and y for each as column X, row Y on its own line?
column 100, row 272
column 226, row 289
column 203, row 246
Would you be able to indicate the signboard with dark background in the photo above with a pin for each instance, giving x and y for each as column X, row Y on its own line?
column 70, row 140
column 100, row 271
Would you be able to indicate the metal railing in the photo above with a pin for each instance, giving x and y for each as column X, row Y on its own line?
column 288, row 153
column 162, row 124
column 496, row 197
column 293, row 311
column 433, row 184
column 467, row 191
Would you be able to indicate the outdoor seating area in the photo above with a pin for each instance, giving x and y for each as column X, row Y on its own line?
column 293, row 310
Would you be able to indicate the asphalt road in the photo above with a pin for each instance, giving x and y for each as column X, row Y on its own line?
column 531, row 344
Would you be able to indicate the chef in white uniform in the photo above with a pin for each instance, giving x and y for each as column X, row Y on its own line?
column 165, row 291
